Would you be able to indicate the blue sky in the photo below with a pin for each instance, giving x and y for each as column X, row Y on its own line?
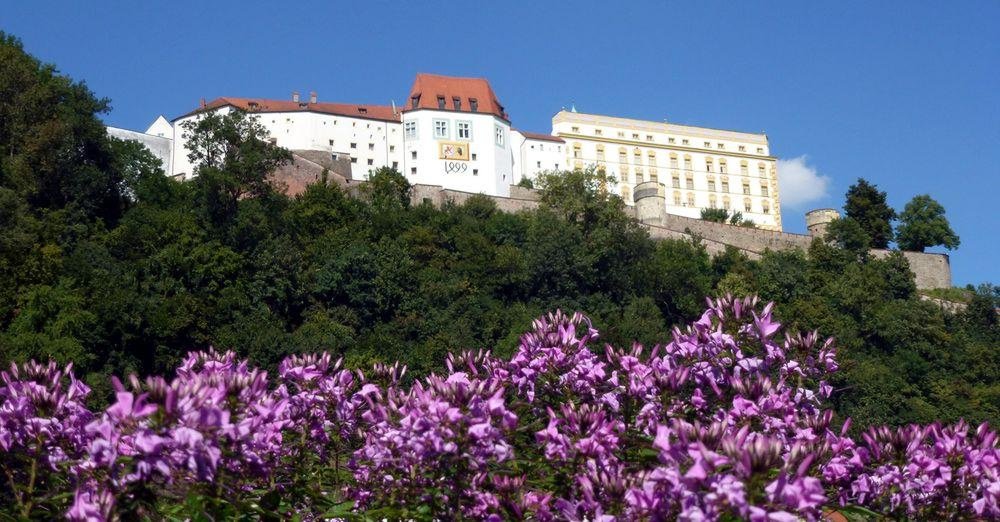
column 905, row 94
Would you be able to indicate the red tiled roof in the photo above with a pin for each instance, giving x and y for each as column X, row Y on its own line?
column 427, row 88
column 371, row 112
column 540, row 136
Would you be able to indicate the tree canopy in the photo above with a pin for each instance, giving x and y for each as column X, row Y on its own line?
column 922, row 224
column 867, row 206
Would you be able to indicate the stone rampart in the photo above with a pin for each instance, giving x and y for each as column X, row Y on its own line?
column 929, row 270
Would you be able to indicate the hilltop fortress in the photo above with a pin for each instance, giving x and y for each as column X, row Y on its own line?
column 453, row 139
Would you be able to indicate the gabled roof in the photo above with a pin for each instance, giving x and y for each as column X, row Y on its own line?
column 540, row 136
column 370, row 112
column 428, row 88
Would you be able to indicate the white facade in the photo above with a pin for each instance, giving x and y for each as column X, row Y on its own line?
column 158, row 139
column 699, row 167
column 536, row 153
column 369, row 143
column 488, row 164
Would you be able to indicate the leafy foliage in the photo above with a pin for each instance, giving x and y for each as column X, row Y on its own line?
column 867, row 206
column 922, row 224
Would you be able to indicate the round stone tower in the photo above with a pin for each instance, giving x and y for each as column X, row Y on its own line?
column 817, row 220
column 650, row 202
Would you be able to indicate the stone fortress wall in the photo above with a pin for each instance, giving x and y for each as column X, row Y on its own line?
column 930, row 270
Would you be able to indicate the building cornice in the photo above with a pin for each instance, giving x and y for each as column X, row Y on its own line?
column 570, row 136
column 661, row 127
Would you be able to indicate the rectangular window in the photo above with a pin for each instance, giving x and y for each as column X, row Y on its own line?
column 676, row 182
column 413, row 171
column 440, row 102
column 395, row 165
column 673, row 163
column 473, row 156
column 689, row 183
column 413, row 154
column 331, row 143
column 722, row 168
column 464, row 130
column 721, row 146
column 575, row 129
column 371, row 162
column 410, row 130
column 690, row 199
column 392, row 148
column 746, row 189
column 371, row 146
column 684, row 142
column 709, row 167
column 649, row 137
column 711, row 185
column 743, row 148
column 760, row 150
column 499, row 136
column 354, row 145
column 746, row 206
column 635, row 136
column 475, row 172
column 441, row 129
column 687, row 163
column 456, row 102
column 725, row 186
column 414, row 101
column 670, row 140
column 763, row 190
column 708, row 144
column 473, row 105
column 354, row 160
column 597, row 132
column 539, row 164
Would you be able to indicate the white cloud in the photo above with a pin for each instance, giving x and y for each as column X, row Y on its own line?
column 799, row 183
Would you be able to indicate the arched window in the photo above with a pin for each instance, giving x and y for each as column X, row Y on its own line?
column 653, row 175
column 677, row 198
column 725, row 202
column 709, row 167
column 766, row 206
column 673, row 160
column 722, row 166
column 743, row 167
column 600, row 153
column 676, row 180
column 746, row 205
column 651, row 156
column 711, row 183
column 763, row 189
column 626, row 193
column 622, row 156
column 711, row 201
column 687, row 162
column 576, row 151
column 690, row 201
column 689, row 181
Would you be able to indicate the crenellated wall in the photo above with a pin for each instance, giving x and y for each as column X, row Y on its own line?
column 929, row 270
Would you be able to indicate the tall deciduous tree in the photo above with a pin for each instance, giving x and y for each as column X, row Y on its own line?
column 922, row 225
column 55, row 152
column 866, row 205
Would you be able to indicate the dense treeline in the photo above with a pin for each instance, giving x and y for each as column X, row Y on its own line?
column 107, row 263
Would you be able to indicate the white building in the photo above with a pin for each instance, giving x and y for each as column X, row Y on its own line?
column 454, row 132
column 158, row 138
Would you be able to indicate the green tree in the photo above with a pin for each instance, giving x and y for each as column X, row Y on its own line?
column 579, row 195
column 233, row 160
column 922, row 224
column 866, row 205
column 717, row 215
column 848, row 234
column 55, row 151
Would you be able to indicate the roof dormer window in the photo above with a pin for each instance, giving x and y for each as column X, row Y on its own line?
column 440, row 102
column 457, row 103
column 414, row 101
column 363, row 110
column 473, row 105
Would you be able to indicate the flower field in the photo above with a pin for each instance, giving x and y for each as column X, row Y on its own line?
column 729, row 420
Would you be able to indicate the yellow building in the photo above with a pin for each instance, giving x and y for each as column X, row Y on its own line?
column 699, row 167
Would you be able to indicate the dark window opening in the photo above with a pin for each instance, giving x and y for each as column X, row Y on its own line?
column 473, row 105
column 457, row 102
column 440, row 102
column 414, row 101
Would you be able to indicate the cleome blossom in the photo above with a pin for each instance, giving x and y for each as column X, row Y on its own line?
column 728, row 420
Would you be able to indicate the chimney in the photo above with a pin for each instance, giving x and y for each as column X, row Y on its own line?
column 203, row 103
column 295, row 96
column 312, row 96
